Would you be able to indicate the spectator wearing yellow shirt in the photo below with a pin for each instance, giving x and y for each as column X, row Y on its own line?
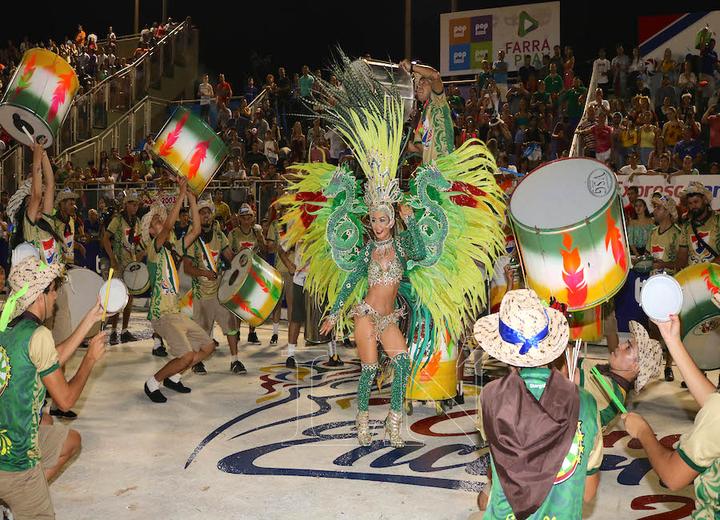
column 222, row 210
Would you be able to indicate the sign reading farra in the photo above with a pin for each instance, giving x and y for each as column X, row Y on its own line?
column 469, row 37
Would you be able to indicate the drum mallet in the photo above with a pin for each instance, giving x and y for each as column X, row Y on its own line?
column 107, row 299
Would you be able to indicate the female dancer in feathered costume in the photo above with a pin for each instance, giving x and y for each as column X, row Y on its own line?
column 453, row 218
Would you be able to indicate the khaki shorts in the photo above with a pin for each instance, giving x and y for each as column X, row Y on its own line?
column 27, row 492
column 208, row 311
column 181, row 334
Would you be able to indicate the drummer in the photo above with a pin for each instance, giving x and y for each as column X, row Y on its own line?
column 187, row 341
column 30, row 209
column 202, row 262
column 700, row 238
column 64, row 222
column 283, row 263
column 120, row 240
column 663, row 246
column 248, row 235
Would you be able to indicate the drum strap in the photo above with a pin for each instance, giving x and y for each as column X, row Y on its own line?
column 701, row 240
column 207, row 255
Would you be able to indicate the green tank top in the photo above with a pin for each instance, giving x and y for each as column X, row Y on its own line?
column 21, row 397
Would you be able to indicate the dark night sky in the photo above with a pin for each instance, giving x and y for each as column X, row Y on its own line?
column 302, row 31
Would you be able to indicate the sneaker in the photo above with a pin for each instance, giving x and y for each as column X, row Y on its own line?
column 253, row 339
column 178, row 387
column 114, row 338
column 199, row 369
column 669, row 376
column 155, row 396
column 683, row 385
column 347, row 343
column 216, row 343
column 57, row 412
column 127, row 337
column 290, row 362
column 459, row 399
column 274, row 339
column 159, row 351
column 335, row 361
column 236, row 367
column 84, row 344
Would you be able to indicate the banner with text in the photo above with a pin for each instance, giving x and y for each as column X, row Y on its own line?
column 649, row 184
column 468, row 37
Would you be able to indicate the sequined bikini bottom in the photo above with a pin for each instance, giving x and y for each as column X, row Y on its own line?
column 381, row 322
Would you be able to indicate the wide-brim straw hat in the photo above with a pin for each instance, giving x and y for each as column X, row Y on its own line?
column 524, row 333
column 650, row 357
column 28, row 279
column 155, row 209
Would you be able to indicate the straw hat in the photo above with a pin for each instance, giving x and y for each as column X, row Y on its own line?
column 524, row 333
column 28, row 279
column 155, row 209
column 66, row 194
column 206, row 203
column 698, row 188
column 17, row 199
column 650, row 357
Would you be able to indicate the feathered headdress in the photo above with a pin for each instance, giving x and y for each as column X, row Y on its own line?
column 369, row 117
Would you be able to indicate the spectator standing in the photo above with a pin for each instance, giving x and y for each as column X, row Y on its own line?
column 307, row 81
column 712, row 119
column 298, row 143
column 223, row 90
column 601, row 65
column 251, row 91
column 500, row 73
column 206, row 95
column 620, row 64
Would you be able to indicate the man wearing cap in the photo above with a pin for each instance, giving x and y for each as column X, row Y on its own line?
column 202, row 261
column 434, row 135
column 247, row 235
column 187, row 341
column 64, row 222
column 31, row 454
column 663, row 246
column 120, row 240
column 700, row 239
column 697, row 456
column 543, row 431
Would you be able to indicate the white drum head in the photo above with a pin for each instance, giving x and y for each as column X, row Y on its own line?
column 14, row 118
column 234, row 278
column 563, row 192
column 136, row 276
column 660, row 296
column 23, row 251
column 118, row 297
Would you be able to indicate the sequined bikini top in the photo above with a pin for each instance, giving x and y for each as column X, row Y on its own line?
column 377, row 275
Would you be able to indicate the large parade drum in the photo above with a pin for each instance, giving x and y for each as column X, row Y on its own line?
column 251, row 288
column 700, row 317
column 38, row 98
column 567, row 217
column 436, row 379
column 137, row 278
column 190, row 148
column 587, row 325
column 76, row 296
column 393, row 77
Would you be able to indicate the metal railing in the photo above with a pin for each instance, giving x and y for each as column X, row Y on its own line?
column 119, row 92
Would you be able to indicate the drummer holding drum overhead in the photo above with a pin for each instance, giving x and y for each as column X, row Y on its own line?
column 202, row 261
column 120, row 240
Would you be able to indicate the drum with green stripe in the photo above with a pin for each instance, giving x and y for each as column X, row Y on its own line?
column 251, row 288
column 39, row 97
column 568, row 221
column 190, row 148
column 700, row 317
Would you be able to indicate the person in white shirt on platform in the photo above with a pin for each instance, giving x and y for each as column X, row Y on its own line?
column 634, row 168
column 206, row 95
column 602, row 66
